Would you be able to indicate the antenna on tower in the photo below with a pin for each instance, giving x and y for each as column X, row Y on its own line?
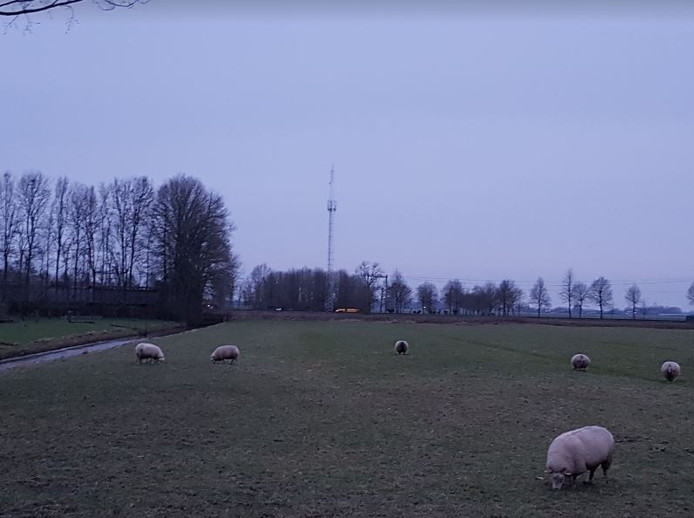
column 332, row 208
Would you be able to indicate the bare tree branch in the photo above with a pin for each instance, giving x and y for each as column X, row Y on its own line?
column 24, row 7
column 30, row 7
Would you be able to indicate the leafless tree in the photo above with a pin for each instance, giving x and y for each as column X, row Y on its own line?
column 644, row 307
column 581, row 295
column 567, row 291
column 427, row 294
column 370, row 273
column 145, row 267
column 509, row 296
column 488, row 297
column 351, row 291
column 131, row 201
column 193, row 241
column 452, row 294
column 59, row 210
column 92, row 225
column 104, row 241
column 601, row 293
column 8, row 223
column 222, row 285
column 297, row 289
column 633, row 297
column 255, row 286
column 690, row 293
column 77, row 215
column 45, row 249
column 33, row 197
column 399, row 292
column 473, row 301
column 540, row 296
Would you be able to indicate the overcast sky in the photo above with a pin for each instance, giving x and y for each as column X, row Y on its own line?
column 467, row 143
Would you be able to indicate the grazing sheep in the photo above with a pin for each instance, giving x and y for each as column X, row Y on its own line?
column 149, row 352
column 580, row 362
column 670, row 370
column 575, row 451
column 225, row 352
column 401, row 347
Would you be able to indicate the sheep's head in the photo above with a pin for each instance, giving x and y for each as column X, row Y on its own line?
column 670, row 370
column 557, row 478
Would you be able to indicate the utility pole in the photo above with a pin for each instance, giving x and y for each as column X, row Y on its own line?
column 384, row 292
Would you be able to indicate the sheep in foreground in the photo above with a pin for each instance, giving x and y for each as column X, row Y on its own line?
column 580, row 362
column 670, row 370
column 148, row 352
column 401, row 347
column 225, row 352
column 575, row 451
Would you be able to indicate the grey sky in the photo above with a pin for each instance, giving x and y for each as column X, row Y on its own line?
column 478, row 145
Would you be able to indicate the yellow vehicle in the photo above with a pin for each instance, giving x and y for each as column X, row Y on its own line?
column 347, row 310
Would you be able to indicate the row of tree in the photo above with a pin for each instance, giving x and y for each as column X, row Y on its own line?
column 370, row 289
column 62, row 239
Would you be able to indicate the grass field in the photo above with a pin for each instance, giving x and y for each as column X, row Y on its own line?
column 323, row 419
column 27, row 336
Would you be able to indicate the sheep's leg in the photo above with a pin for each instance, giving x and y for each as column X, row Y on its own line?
column 591, row 474
column 605, row 466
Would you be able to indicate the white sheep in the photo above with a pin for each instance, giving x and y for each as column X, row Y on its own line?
column 225, row 352
column 670, row 370
column 401, row 347
column 575, row 451
column 149, row 352
column 580, row 362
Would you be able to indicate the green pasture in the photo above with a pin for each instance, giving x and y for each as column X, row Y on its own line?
column 34, row 335
column 323, row 419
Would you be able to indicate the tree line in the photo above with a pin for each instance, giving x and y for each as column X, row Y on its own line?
column 60, row 241
column 369, row 289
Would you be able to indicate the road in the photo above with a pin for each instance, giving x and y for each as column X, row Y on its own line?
column 30, row 360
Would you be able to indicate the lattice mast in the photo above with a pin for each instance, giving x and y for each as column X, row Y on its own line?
column 332, row 208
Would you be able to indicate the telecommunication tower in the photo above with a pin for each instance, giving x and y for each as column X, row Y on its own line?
column 332, row 208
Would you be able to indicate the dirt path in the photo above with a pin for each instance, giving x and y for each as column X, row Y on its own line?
column 59, row 354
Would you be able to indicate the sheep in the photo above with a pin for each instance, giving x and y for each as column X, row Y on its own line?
column 225, row 352
column 149, row 352
column 670, row 370
column 580, row 362
column 401, row 347
column 573, row 452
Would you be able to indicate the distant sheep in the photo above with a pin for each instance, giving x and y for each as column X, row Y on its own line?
column 401, row 347
column 580, row 362
column 572, row 453
column 148, row 352
column 670, row 370
column 225, row 352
